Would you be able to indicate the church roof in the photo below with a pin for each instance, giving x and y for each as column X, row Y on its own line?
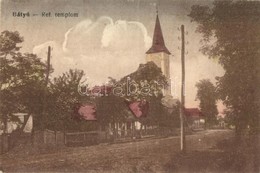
column 158, row 41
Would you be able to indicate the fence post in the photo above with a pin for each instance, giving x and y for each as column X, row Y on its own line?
column 65, row 138
column 55, row 133
column 44, row 137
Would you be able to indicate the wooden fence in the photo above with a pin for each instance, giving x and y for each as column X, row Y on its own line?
column 57, row 138
column 82, row 138
column 52, row 138
column 48, row 137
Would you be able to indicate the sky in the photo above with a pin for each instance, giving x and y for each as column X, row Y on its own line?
column 109, row 38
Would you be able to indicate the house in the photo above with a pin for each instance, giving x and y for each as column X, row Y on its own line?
column 11, row 126
column 9, row 138
column 195, row 118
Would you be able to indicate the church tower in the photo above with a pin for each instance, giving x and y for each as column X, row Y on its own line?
column 159, row 54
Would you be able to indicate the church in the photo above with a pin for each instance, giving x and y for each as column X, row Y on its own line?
column 160, row 55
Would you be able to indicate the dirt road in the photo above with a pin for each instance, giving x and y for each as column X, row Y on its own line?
column 150, row 155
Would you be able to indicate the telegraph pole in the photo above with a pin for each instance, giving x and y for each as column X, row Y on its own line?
column 48, row 66
column 182, row 107
column 42, row 117
column 46, row 89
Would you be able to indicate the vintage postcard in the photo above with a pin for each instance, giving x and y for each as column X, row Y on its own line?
column 129, row 86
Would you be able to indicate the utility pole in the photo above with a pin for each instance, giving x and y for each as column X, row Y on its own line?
column 182, row 107
column 48, row 66
column 46, row 89
column 42, row 117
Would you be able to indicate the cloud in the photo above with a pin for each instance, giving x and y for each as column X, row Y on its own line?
column 121, row 27
column 64, row 44
column 88, row 37
column 101, row 48
column 147, row 39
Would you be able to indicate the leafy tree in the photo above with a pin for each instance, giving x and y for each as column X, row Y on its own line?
column 111, row 108
column 146, row 82
column 21, row 77
column 206, row 94
column 8, row 47
column 231, row 33
column 229, row 117
column 62, row 99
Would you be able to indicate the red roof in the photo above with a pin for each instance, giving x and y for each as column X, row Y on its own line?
column 139, row 108
column 158, row 41
column 192, row 112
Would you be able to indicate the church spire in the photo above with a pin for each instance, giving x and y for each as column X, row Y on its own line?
column 158, row 41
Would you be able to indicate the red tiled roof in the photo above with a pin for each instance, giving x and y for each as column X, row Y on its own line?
column 139, row 108
column 158, row 41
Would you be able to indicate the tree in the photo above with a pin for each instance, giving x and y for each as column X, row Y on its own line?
column 110, row 107
column 231, row 33
column 61, row 102
column 206, row 94
column 149, row 82
column 8, row 47
column 146, row 82
column 21, row 79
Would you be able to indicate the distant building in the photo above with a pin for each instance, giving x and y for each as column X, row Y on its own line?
column 11, row 126
column 195, row 118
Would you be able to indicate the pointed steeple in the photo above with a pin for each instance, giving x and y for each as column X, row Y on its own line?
column 158, row 41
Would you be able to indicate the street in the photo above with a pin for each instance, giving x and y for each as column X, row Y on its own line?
column 148, row 155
